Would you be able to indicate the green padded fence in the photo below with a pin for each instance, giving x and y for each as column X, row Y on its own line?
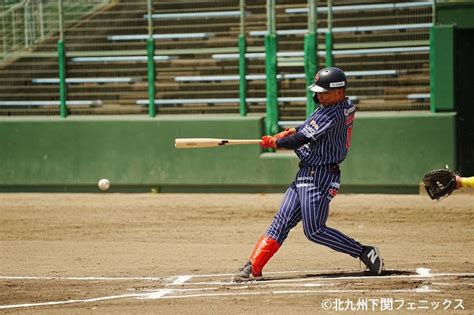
column 138, row 154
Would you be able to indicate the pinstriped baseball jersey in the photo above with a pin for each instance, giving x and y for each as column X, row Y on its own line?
column 328, row 132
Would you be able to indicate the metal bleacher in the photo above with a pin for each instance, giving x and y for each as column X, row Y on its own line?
column 87, row 80
column 194, row 15
column 48, row 103
column 383, row 47
column 369, row 37
column 113, row 59
column 159, row 36
column 282, row 76
column 364, row 7
column 286, row 54
column 349, row 29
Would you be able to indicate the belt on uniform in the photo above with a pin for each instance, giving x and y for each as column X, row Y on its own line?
column 332, row 167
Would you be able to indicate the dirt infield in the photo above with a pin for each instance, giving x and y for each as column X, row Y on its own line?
column 175, row 253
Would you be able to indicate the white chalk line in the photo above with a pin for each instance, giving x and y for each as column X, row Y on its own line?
column 307, row 279
column 82, row 278
column 174, row 290
column 247, row 286
column 101, row 278
column 324, row 279
column 227, row 294
column 260, row 285
column 218, row 275
column 322, row 276
column 163, row 292
column 158, row 294
column 179, row 280
column 182, row 279
column 68, row 301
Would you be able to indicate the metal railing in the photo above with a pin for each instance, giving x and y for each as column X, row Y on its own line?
column 29, row 22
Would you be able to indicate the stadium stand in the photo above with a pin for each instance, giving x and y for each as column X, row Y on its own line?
column 48, row 103
column 199, row 40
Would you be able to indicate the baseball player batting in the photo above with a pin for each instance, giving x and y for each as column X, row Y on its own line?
column 321, row 143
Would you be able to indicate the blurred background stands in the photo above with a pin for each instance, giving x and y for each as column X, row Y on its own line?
column 384, row 48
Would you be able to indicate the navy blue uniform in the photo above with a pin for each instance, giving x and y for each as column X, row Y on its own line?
column 321, row 143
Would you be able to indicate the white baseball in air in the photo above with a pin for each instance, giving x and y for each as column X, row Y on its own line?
column 103, row 184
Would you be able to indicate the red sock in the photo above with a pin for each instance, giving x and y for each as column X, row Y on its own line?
column 261, row 254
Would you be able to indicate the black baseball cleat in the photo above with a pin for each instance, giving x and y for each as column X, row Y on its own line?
column 245, row 274
column 371, row 258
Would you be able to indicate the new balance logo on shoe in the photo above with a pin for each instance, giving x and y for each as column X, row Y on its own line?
column 371, row 258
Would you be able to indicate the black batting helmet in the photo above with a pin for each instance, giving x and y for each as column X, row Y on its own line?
column 328, row 79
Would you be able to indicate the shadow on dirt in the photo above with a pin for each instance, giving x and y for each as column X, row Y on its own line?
column 342, row 274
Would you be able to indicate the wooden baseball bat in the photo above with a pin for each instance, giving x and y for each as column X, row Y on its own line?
column 191, row 143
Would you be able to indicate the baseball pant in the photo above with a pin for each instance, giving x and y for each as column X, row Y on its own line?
column 307, row 199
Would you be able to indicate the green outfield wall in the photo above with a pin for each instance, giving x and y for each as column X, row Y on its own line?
column 458, row 13
column 390, row 152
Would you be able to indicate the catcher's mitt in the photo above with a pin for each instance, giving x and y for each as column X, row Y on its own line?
column 439, row 183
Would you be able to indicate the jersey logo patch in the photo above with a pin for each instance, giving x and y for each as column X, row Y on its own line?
column 314, row 124
column 310, row 129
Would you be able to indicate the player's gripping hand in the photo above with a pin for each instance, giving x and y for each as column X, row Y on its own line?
column 287, row 132
column 268, row 142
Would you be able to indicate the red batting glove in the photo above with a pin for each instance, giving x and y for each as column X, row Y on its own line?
column 285, row 133
column 268, row 142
